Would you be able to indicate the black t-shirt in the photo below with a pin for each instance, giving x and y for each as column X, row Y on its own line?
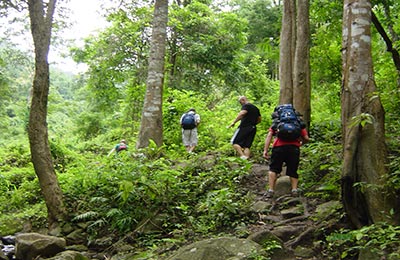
column 250, row 119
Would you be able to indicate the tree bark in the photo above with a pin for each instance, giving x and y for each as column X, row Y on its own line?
column 151, row 123
column 41, row 26
column 364, row 196
column 286, row 55
column 301, row 74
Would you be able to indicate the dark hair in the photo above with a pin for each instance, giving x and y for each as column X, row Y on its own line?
column 192, row 109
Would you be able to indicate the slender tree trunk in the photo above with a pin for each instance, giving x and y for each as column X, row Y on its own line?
column 286, row 56
column 151, row 123
column 41, row 25
column 364, row 196
column 301, row 74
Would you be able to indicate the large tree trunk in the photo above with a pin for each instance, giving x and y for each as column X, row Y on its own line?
column 286, row 52
column 365, row 154
column 41, row 24
column 151, row 123
column 301, row 74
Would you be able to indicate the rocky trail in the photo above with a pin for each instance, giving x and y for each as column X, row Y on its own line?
column 299, row 222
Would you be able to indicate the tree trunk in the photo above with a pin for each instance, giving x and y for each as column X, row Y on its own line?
column 301, row 74
column 365, row 154
column 151, row 123
column 286, row 56
column 41, row 25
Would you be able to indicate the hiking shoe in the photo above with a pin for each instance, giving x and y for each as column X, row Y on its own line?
column 269, row 194
column 295, row 193
column 244, row 157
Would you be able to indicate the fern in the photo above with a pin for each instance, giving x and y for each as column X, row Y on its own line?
column 90, row 215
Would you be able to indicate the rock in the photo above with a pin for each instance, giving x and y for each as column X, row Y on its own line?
column 292, row 212
column 304, row 252
column 267, row 238
column 260, row 169
column 261, row 206
column 68, row 255
column 77, row 236
column 30, row 245
column 79, row 248
column 264, row 236
column 287, row 232
column 67, row 228
column 283, row 186
column 219, row 249
column 325, row 210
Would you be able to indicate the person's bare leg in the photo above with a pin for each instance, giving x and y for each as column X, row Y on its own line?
column 294, row 183
column 238, row 149
column 272, row 177
column 246, row 152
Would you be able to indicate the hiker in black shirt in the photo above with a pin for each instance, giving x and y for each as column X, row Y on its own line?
column 249, row 116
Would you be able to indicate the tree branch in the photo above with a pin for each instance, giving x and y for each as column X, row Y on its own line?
column 388, row 41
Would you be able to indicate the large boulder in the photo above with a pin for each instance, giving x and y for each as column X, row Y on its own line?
column 221, row 248
column 69, row 255
column 30, row 245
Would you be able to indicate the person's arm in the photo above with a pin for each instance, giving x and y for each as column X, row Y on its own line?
column 239, row 117
column 180, row 120
column 111, row 152
column 258, row 120
column 304, row 137
column 268, row 140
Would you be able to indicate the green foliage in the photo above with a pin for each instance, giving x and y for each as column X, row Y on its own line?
column 326, row 26
column 361, row 120
column 320, row 170
column 21, row 201
column 205, row 48
column 11, row 222
column 125, row 192
column 117, row 58
column 394, row 170
column 381, row 239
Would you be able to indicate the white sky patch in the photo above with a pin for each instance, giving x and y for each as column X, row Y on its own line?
column 85, row 17
column 86, row 20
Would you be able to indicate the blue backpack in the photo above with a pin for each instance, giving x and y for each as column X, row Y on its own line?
column 188, row 121
column 287, row 122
